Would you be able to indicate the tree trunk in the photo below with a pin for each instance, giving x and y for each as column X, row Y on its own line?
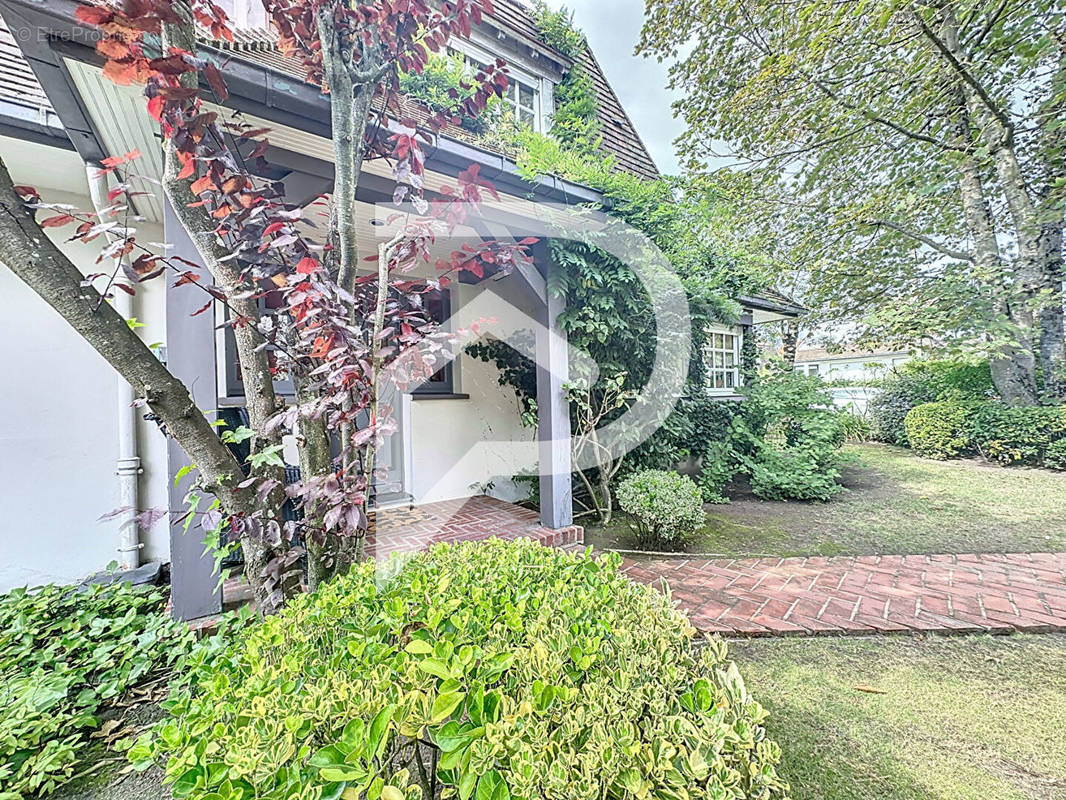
column 789, row 340
column 1014, row 367
column 1052, row 321
column 1013, row 363
column 260, row 398
column 32, row 256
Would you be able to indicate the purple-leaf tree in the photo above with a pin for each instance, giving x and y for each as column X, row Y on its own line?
column 338, row 322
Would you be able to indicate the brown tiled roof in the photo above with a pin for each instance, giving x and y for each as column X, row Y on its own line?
column 620, row 138
column 18, row 84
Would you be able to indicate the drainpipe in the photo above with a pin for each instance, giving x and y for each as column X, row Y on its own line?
column 129, row 463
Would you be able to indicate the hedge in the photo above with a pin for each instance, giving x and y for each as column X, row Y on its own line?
column 493, row 671
column 1031, row 435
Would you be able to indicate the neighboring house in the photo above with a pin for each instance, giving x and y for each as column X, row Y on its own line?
column 854, row 372
column 66, row 425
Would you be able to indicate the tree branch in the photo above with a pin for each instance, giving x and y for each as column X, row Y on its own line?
column 950, row 252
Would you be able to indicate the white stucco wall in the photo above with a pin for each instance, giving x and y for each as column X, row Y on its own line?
column 445, row 433
column 58, row 412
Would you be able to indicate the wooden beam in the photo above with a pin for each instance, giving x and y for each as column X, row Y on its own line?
column 190, row 344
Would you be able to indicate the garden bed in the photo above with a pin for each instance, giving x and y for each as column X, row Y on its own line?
column 895, row 503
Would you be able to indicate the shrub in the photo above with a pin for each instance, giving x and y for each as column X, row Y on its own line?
column 924, row 381
column 938, row 430
column 1001, row 433
column 1055, row 456
column 524, row 672
column 856, row 427
column 667, row 507
column 64, row 654
column 787, row 438
column 1015, row 434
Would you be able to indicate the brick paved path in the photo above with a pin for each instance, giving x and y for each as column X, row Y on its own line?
column 867, row 594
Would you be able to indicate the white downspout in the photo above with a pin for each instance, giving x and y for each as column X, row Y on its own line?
column 129, row 463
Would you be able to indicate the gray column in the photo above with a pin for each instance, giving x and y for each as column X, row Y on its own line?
column 553, row 417
column 191, row 358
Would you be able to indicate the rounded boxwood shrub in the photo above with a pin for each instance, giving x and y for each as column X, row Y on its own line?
column 667, row 507
column 938, row 430
column 494, row 671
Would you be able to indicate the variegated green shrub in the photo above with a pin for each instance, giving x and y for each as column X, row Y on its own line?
column 493, row 671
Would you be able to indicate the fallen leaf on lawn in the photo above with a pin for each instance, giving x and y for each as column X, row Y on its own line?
column 862, row 687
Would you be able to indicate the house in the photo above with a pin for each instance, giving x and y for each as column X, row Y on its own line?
column 74, row 448
column 854, row 372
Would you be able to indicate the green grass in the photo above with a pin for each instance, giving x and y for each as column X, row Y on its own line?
column 895, row 503
column 968, row 718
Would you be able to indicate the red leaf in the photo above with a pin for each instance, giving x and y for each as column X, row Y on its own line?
column 200, row 185
column 155, row 107
column 204, row 308
column 307, row 266
column 215, row 80
column 93, row 15
column 57, row 221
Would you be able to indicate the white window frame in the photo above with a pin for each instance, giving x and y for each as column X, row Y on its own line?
column 717, row 357
column 536, row 84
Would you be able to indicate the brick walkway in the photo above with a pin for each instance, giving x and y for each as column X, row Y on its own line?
column 866, row 595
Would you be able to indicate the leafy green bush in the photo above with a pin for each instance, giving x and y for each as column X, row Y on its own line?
column 924, row 381
column 493, row 671
column 856, row 427
column 1015, row 434
column 1055, row 455
column 1001, row 433
column 787, row 438
column 64, row 654
column 667, row 507
column 938, row 430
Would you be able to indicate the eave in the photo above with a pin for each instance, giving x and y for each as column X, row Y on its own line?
column 49, row 34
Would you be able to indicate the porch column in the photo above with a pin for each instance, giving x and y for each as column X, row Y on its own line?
column 191, row 358
column 553, row 417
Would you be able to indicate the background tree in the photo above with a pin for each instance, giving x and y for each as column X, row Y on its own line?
column 338, row 330
column 917, row 147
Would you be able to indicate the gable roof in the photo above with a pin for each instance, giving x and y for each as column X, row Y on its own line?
column 620, row 137
column 34, row 114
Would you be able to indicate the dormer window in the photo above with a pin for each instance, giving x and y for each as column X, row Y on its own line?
column 523, row 98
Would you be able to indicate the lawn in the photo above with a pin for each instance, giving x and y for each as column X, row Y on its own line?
column 961, row 719
column 894, row 502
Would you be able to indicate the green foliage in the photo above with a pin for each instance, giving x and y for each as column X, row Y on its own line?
column 924, row 381
column 556, row 29
column 66, row 653
column 434, row 86
column 1055, row 455
column 857, row 428
column 937, row 430
column 1001, row 433
column 524, row 672
column 786, row 440
column 1014, row 434
column 667, row 507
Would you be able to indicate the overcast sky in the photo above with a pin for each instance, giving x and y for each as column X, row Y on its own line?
column 613, row 28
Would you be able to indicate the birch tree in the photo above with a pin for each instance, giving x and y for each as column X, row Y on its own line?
column 919, row 145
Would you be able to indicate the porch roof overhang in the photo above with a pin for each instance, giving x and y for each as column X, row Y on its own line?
column 770, row 307
column 49, row 34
